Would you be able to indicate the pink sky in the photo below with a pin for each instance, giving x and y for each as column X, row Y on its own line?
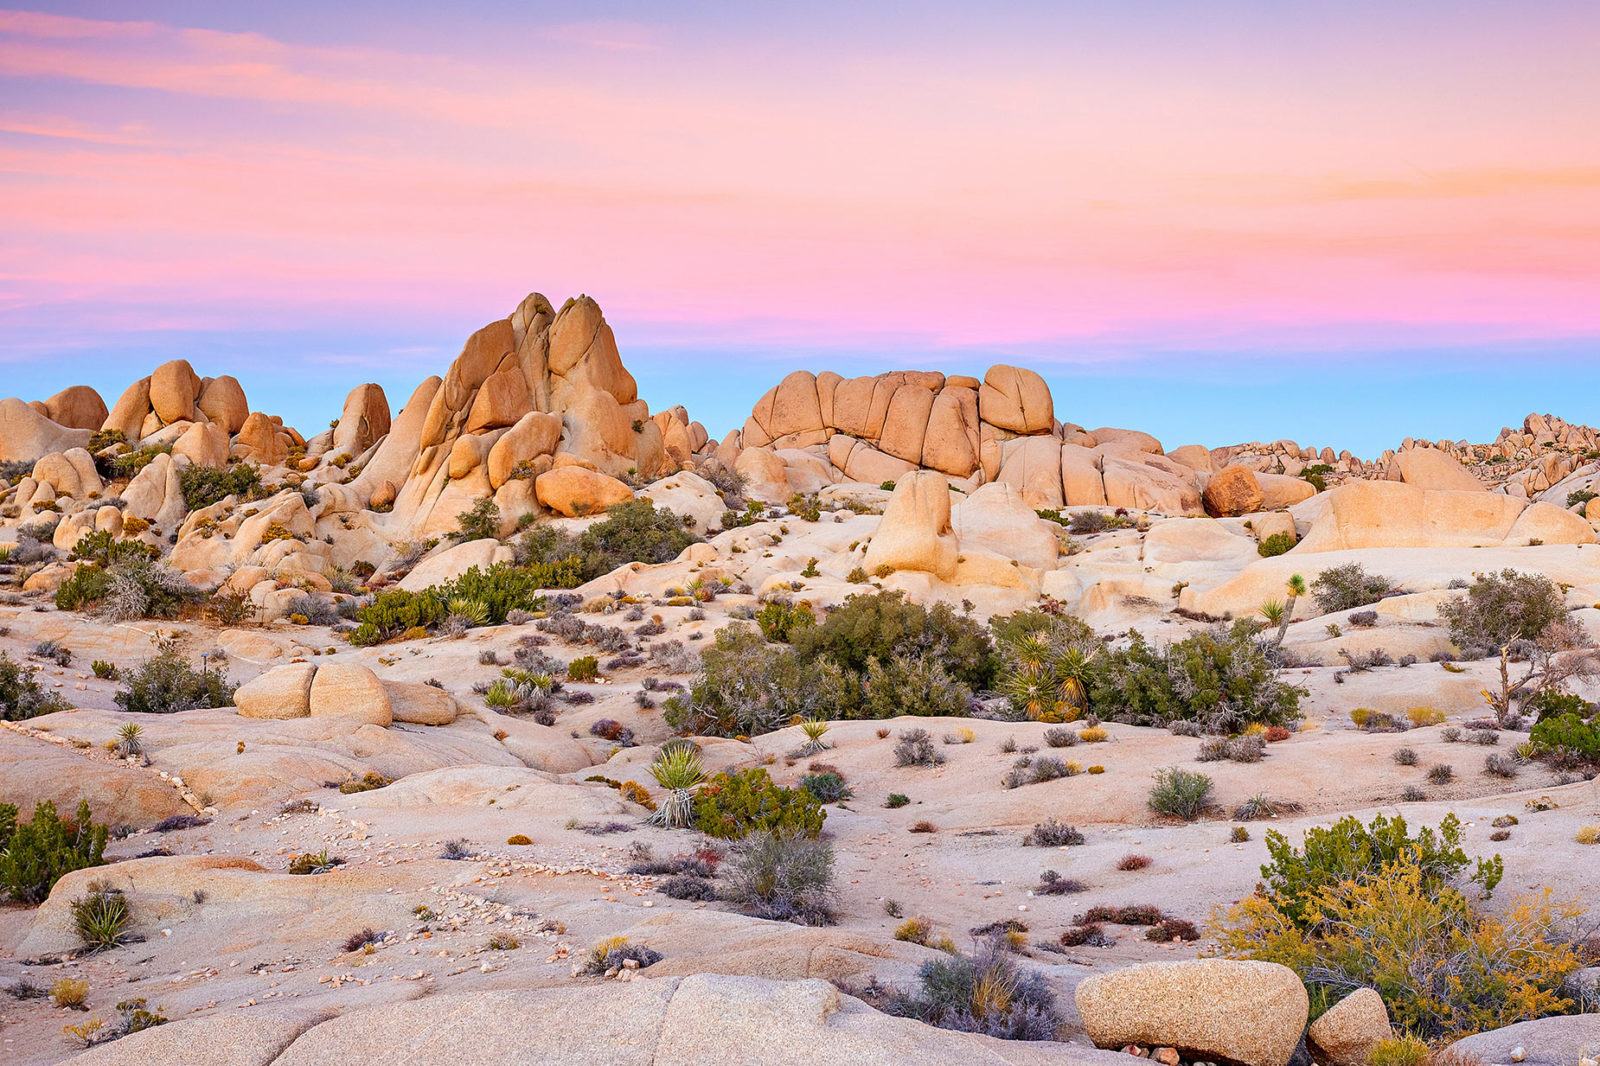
column 1024, row 177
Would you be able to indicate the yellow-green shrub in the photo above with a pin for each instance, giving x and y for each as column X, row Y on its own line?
column 1443, row 969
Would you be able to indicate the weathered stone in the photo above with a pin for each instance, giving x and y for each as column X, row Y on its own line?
column 1232, row 491
column 343, row 690
column 1250, row 1013
column 1346, row 1034
column 282, row 692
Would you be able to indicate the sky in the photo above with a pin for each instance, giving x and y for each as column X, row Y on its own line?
column 1339, row 222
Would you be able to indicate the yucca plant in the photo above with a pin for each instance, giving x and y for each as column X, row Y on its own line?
column 1272, row 611
column 100, row 918
column 1073, row 669
column 679, row 771
column 1032, row 649
column 815, row 729
column 128, row 742
column 1030, row 690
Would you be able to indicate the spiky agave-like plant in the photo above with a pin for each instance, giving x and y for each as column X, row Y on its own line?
column 1074, row 668
column 1030, row 689
column 679, row 771
column 815, row 729
column 128, row 740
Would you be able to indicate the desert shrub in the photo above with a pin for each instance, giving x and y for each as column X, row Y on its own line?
column 1441, row 773
column 313, row 862
column 1223, row 679
column 732, row 806
column 1405, row 757
column 1555, row 702
column 1421, row 717
column 1087, row 523
column 918, row 685
column 1276, row 544
column 583, row 668
column 1500, row 766
column 778, row 618
column 827, row 787
column 785, row 875
column 1567, row 733
column 1261, row 806
column 1502, row 609
column 915, row 748
column 316, row 610
column 1180, row 793
column 1060, row 737
column 1130, row 863
column 1351, row 851
column 1363, row 619
column 987, row 993
column 41, row 851
column 21, row 695
column 130, row 463
column 1171, row 929
column 1052, row 834
column 203, row 486
column 479, row 522
column 166, row 683
column 883, row 625
column 746, row 687
column 1086, row 934
column 1243, row 748
column 1347, row 587
column 1443, row 969
column 367, row 782
column 635, row 531
column 1589, row 834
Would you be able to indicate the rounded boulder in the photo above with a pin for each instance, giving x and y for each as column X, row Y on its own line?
column 1251, row 1013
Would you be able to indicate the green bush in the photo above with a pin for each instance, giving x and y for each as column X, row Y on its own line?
column 1180, row 793
column 918, row 685
column 1579, row 497
column 1276, row 544
column 1555, row 702
column 1051, row 662
column 1568, row 732
column 1351, row 851
column 167, row 683
column 203, row 486
column 101, row 919
column 104, row 549
column 778, row 619
column 635, row 531
column 393, row 611
column 1443, row 969
column 21, row 695
column 1222, row 679
column 583, row 668
column 83, row 588
column 1501, row 609
column 480, row 522
column 882, row 625
column 40, row 852
column 499, row 590
column 746, row 687
column 732, row 806
column 130, row 463
column 127, row 590
column 1344, row 588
